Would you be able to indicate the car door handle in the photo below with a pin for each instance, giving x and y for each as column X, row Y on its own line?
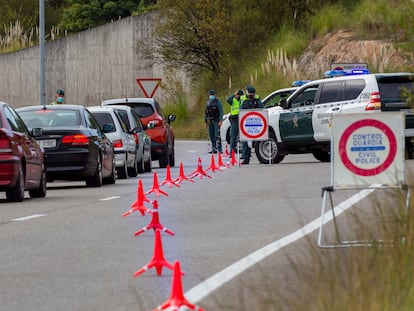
column 335, row 109
column 308, row 112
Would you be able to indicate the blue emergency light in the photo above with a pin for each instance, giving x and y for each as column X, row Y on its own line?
column 351, row 72
column 300, row 82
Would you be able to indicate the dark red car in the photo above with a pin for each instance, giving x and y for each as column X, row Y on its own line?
column 22, row 165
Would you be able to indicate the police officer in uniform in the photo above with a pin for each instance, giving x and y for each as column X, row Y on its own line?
column 234, row 100
column 59, row 98
column 249, row 101
column 213, row 118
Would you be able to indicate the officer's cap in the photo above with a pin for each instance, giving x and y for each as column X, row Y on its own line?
column 250, row 89
column 240, row 92
column 60, row 92
column 212, row 92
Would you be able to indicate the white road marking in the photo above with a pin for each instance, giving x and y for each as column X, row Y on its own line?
column 212, row 283
column 28, row 217
column 110, row 198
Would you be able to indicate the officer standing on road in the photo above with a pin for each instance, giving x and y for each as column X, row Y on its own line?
column 249, row 101
column 213, row 118
column 59, row 98
column 235, row 101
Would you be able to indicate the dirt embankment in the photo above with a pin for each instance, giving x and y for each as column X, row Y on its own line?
column 342, row 47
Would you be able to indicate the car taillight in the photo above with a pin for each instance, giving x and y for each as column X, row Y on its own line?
column 77, row 140
column 136, row 138
column 4, row 143
column 374, row 102
column 117, row 143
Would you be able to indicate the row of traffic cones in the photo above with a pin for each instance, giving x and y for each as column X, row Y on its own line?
column 176, row 300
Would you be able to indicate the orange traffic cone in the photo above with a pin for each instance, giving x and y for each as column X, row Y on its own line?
column 213, row 167
column 233, row 160
column 156, row 188
column 168, row 181
column 177, row 299
column 220, row 162
column 158, row 261
column 199, row 171
column 138, row 205
column 182, row 176
column 155, row 222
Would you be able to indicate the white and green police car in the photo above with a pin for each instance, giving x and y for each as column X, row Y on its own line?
column 304, row 123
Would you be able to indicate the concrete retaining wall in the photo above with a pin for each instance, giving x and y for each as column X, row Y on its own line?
column 91, row 66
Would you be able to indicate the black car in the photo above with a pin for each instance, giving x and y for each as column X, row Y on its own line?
column 75, row 145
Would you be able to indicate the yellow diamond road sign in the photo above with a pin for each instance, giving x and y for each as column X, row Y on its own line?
column 148, row 85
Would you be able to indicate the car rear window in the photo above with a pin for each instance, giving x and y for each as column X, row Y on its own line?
column 104, row 118
column 143, row 110
column 396, row 89
column 50, row 118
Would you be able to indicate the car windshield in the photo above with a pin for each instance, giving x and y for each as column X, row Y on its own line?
column 50, row 118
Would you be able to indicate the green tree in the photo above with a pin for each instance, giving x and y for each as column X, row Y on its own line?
column 83, row 14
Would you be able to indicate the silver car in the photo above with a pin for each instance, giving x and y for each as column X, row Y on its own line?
column 143, row 141
column 126, row 160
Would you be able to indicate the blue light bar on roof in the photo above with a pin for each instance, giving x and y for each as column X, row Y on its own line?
column 350, row 72
column 300, row 82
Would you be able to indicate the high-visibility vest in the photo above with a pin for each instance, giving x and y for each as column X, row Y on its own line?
column 235, row 106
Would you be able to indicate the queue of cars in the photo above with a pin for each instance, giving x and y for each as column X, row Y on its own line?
column 44, row 143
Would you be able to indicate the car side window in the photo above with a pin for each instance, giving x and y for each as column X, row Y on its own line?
column 276, row 98
column 353, row 88
column 330, row 92
column 305, row 98
column 16, row 123
column 138, row 123
column 92, row 123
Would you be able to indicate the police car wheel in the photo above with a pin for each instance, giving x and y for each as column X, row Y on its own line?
column 323, row 156
column 262, row 149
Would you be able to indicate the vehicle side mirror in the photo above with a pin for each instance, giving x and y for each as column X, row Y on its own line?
column 37, row 131
column 108, row 127
column 136, row 130
column 150, row 125
column 171, row 117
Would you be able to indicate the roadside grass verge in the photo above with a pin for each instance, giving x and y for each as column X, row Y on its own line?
column 369, row 278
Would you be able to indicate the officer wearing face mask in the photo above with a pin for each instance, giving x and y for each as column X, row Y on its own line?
column 249, row 101
column 59, row 98
column 213, row 116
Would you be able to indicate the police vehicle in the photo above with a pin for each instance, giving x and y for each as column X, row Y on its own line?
column 304, row 123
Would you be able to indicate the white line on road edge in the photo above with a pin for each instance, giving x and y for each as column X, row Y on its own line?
column 220, row 278
column 110, row 198
column 28, row 217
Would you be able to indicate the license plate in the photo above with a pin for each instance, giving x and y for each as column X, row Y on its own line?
column 47, row 143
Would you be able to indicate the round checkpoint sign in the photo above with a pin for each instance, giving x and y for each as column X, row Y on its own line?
column 253, row 125
column 367, row 147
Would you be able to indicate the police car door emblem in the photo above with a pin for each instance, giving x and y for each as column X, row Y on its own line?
column 295, row 121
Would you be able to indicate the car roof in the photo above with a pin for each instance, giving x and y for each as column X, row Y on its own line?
column 53, row 107
column 128, row 100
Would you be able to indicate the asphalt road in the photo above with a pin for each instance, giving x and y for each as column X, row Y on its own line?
column 74, row 251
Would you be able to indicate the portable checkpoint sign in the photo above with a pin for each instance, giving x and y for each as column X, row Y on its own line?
column 253, row 124
column 368, row 149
